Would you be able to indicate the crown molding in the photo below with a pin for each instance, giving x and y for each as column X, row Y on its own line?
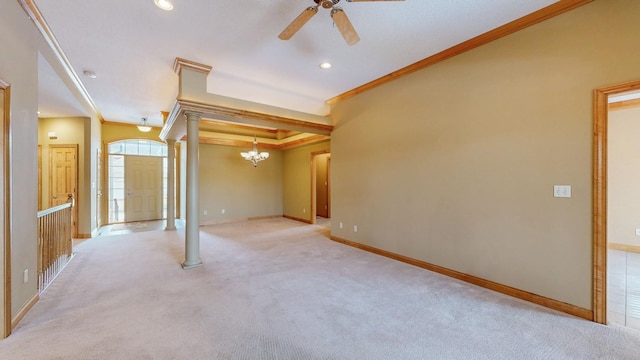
column 282, row 145
column 34, row 14
column 181, row 63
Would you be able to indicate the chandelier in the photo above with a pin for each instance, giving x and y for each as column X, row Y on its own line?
column 254, row 156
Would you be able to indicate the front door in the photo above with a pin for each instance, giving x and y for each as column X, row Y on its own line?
column 63, row 167
column 143, row 184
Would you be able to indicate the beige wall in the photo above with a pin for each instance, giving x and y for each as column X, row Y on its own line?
column 229, row 182
column 18, row 67
column 69, row 131
column 455, row 164
column 297, row 180
column 114, row 132
column 623, row 183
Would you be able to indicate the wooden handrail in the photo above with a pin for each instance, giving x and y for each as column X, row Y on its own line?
column 53, row 209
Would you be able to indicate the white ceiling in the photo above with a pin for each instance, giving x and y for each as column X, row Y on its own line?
column 132, row 45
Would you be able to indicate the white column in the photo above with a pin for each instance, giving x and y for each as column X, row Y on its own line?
column 171, row 181
column 192, row 226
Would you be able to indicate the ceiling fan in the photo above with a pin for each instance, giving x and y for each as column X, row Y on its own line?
column 338, row 15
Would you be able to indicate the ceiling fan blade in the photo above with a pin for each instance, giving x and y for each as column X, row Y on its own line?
column 298, row 22
column 344, row 25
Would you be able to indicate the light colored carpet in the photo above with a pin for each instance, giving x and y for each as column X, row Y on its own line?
column 278, row 289
column 129, row 226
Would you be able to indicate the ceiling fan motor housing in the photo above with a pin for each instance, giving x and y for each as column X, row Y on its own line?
column 327, row 4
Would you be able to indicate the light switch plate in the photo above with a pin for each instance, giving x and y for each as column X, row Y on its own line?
column 562, row 191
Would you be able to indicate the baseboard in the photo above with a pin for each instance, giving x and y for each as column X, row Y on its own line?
column 25, row 309
column 624, row 247
column 83, row 236
column 580, row 312
column 297, row 219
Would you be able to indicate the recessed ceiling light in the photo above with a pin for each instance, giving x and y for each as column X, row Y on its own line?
column 325, row 65
column 164, row 4
column 89, row 74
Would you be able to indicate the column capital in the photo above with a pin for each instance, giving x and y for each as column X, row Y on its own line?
column 193, row 115
column 171, row 142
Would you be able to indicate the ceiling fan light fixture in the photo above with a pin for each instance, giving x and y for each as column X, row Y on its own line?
column 325, row 65
column 328, row 4
column 165, row 5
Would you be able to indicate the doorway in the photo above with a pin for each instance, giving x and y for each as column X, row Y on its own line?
column 5, row 217
column 623, row 207
column 321, row 188
column 136, row 180
column 600, row 199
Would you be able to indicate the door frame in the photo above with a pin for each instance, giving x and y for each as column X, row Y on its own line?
column 599, row 195
column 5, row 261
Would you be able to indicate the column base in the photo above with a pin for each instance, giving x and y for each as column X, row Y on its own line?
column 170, row 228
column 186, row 265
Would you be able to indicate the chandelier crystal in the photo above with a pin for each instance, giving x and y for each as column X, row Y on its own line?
column 254, row 156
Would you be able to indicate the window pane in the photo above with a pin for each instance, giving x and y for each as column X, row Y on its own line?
column 144, row 148
column 131, row 148
column 117, row 193
column 116, row 160
column 116, row 172
column 156, row 149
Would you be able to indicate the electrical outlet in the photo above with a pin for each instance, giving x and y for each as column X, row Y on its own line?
column 25, row 276
column 223, row 211
column 562, row 191
column 637, row 231
column 205, row 212
column 340, row 225
column 355, row 228
column 304, row 211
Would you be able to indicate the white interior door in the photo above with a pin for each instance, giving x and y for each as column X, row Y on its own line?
column 143, row 185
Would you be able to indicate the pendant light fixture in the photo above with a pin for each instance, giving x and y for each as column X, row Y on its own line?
column 144, row 125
